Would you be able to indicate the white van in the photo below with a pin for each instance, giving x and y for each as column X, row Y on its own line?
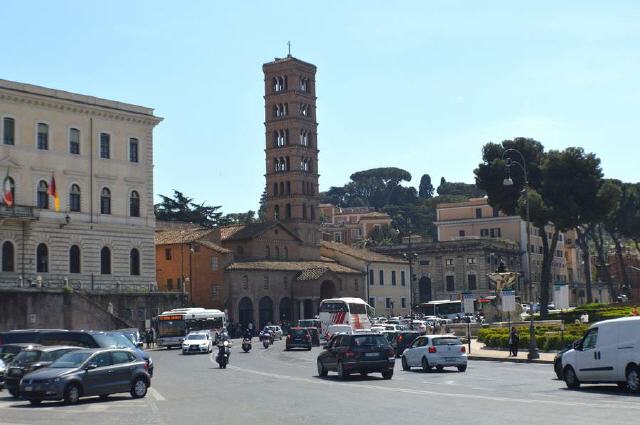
column 609, row 352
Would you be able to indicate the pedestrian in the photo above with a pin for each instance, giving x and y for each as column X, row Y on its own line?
column 148, row 338
column 514, row 339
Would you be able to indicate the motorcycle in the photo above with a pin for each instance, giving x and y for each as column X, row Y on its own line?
column 223, row 354
column 246, row 345
column 267, row 341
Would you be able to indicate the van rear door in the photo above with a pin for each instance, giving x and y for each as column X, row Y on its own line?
column 628, row 347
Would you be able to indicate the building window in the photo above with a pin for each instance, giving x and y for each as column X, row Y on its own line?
column 540, row 250
column 105, row 260
column 133, row 150
column 356, row 233
column 495, row 232
column 403, row 302
column 276, row 212
column 484, row 233
column 245, row 282
column 424, row 262
column 8, row 255
column 471, row 260
column 372, row 302
column 461, row 233
column 370, row 277
column 337, row 236
column 43, row 195
column 43, row 136
column 74, row 259
column 402, row 278
column 214, row 291
column 304, row 84
column 105, row 201
column 167, row 253
column 170, row 284
column 105, row 146
column 381, row 277
column 478, row 212
column 74, row 141
column 451, row 284
column 265, row 284
column 393, row 278
column 134, row 262
column 214, row 263
column 42, row 259
column 8, row 131
column 472, row 282
column 134, row 204
column 449, row 261
column 387, row 303
column 74, row 198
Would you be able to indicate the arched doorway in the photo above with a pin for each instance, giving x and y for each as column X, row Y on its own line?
column 285, row 310
column 424, row 287
column 265, row 308
column 327, row 290
column 245, row 312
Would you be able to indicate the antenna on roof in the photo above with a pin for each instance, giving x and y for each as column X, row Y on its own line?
column 289, row 48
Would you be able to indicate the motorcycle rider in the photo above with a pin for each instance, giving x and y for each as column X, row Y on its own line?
column 247, row 334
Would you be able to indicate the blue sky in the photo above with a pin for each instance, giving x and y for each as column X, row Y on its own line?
column 419, row 85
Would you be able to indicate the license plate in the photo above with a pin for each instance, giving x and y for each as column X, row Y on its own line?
column 450, row 359
column 371, row 354
column 28, row 388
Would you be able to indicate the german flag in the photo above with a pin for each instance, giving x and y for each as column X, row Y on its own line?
column 54, row 193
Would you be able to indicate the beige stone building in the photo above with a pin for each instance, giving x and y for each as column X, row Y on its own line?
column 100, row 153
column 350, row 226
column 388, row 288
column 475, row 218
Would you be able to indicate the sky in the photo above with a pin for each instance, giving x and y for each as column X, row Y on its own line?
column 420, row 85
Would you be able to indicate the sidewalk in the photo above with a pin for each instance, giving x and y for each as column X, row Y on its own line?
column 479, row 352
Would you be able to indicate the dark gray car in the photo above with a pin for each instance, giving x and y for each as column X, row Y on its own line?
column 91, row 372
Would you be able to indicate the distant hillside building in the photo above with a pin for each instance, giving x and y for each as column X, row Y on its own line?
column 350, row 226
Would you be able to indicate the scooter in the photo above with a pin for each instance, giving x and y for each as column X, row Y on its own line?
column 223, row 354
column 246, row 345
column 267, row 341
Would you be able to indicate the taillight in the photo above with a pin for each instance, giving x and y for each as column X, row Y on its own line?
column 400, row 338
column 432, row 349
column 463, row 349
column 349, row 354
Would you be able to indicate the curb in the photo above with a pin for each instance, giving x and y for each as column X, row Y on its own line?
column 508, row 360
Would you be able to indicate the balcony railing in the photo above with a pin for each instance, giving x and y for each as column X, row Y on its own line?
column 18, row 212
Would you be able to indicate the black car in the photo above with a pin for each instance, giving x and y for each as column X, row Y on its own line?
column 88, row 372
column 30, row 359
column 358, row 353
column 85, row 339
column 315, row 336
column 9, row 351
column 298, row 338
column 402, row 340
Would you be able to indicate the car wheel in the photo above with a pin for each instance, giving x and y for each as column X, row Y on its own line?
column 462, row 368
column 425, row 365
column 558, row 369
column 342, row 374
column 405, row 365
column 321, row 370
column 387, row 374
column 570, row 378
column 633, row 382
column 439, row 368
column 35, row 402
column 139, row 388
column 72, row 394
column 14, row 392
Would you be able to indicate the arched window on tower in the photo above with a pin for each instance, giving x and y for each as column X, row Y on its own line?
column 286, row 136
column 312, row 209
column 288, row 188
column 304, row 84
column 276, row 212
column 304, row 211
column 287, row 168
column 275, row 189
column 281, row 188
column 288, row 211
column 276, row 165
column 275, row 139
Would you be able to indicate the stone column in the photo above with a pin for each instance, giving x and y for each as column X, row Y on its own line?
column 301, row 309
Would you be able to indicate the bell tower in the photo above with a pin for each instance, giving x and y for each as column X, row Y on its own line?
column 291, row 147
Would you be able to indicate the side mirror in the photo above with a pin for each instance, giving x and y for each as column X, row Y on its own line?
column 577, row 345
column 91, row 366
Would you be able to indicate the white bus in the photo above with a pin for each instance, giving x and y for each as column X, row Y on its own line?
column 442, row 308
column 344, row 311
column 174, row 325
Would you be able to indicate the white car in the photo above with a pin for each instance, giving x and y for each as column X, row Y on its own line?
column 391, row 327
column 437, row 351
column 197, row 342
column 377, row 328
column 609, row 352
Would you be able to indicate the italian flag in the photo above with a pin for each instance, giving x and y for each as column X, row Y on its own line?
column 7, row 195
column 54, row 193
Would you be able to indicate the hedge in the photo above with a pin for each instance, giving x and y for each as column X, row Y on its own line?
column 547, row 338
column 596, row 312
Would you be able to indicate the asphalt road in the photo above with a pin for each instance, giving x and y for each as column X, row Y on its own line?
column 277, row 387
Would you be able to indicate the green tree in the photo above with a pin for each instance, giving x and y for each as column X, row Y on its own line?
column 426, row 189
column 382, row 236
column 239, row 218
column 262, row 210
column 184, row 209
column 377, row 185
column 462, row 189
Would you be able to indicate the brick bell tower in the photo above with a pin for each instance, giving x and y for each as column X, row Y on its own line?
column 291, row 148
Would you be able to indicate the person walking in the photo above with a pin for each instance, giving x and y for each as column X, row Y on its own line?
column 514, row 339
column 148, row 337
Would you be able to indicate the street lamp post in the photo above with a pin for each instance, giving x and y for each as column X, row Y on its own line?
column 533, row 349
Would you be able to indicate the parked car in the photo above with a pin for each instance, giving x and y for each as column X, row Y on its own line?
column 9, row 351
column 3, row 370
column 88, row 372
column 609, row 352
column 86, row 339
column 402, row 340
column 298, row 338
column 30, row 359
column 437, row 351
column 197, row 342
column 315, row 336
column 362, row 353
column 134, row 336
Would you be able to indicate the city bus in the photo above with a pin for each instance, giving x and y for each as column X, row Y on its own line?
column 344, row 311
column 174, row 325
column 442, row 308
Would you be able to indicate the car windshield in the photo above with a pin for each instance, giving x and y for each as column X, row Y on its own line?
column 113, row 340
column 26, row 357
column 198, row 336
column 446, row 341
column 10, row 349
column 71, row 360
column 370, row 341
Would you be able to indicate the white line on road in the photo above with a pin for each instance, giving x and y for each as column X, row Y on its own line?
column 155, row 394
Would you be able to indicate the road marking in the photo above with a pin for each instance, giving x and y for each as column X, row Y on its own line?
column 155, row 394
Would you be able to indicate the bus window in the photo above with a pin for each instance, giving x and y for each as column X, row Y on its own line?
column 357, row 308
column 333, row 307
